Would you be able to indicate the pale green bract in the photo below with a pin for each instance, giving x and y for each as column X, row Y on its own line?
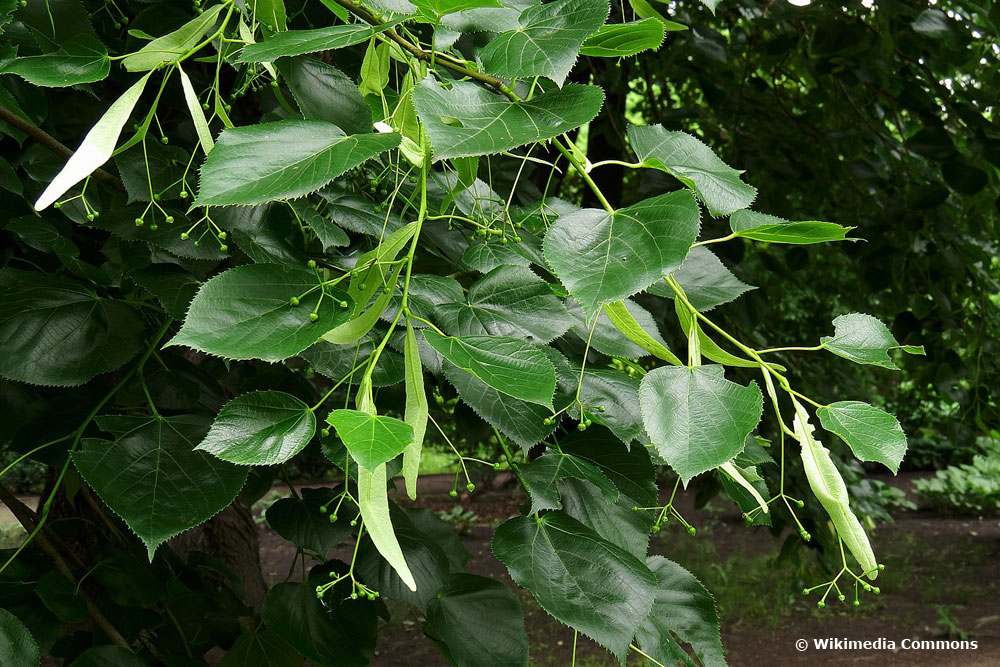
column 619, row 40
column 96, row 148
column 173, row 46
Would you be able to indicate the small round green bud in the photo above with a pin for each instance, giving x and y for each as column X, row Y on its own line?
column 453, row 493
column 90, row 217
column 656, row 527
column 183, row 194
column 582, row 426
column 691, row 530
column 154, row 227
column 805, row 536
column 313, row 317
column 800, row 504
column 876, row 590
column 222, row 236
column 116, row 25
column 164, row 140
column 371, row 596
column 354, row 596
column 503, row 240
column 841, row 597
column 197, row 243
column 547, row 421
column 342, row 304
column 354, row 522
column 58, row 204
column 881, row 566
column 325, row 432
column 169, row 219
column 274, row 84
column 224, row 248
column 156, row 197
column 125, row 20
column 805, row 591
column 139, row 222
column 333, row 519
column 294, row 301
column 821, row 604
column 311, row 263
column 496, row 466
column 470, row 487
column 185, row 236
column 857, row 603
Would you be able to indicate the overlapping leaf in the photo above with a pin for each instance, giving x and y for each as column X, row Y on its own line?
column 508, row 301
column 769, row 228
column 619, row 40
column 371, row 439
column 542, row 475
column 547, row 41
column 282, row 160
column 509, row 365
column 260, row 428
column 576, row 576
column 872, row 433
column 706, row 281
column 695, row 165
column 470, row 120
column 245, row 313
column 82, row 59
column 152, row 477
column 602, row 257
column 696, row 418
column 864, row 340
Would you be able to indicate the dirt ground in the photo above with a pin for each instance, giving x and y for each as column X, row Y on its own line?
column 941, row 582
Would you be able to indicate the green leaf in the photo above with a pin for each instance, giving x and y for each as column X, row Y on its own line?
column 271, row 13
column 337, row 634
column 619, row 40
column 325, row 93
column 17, row 646
column 61, row 597
column 695, row 165
column 372, row 440
column 58, row 332
column 696, row 418
column 305, row 521
column 416, row 410
column 431, row 11
column 576, row 576
column 872, row 433
column 300, row 42
column 337, row 361
column 82, row 59
column 478, row 621
column 645, row 10
column 547, row 42
column 706, row 281
column 484, row 257
column 171, row 47
column 261, row 648
column 373, row 502
column 282, row 160
column 153, row 479
column 260, row 428
column 469, row 120
column 683, row 608
column 245, row 313
column 542, row 476
column 772, row 229
column 508, row 301
column 522, row 422
column 96, row 148
column 108, row 656
column 511, row 366
column 864, row 340
column 602, row 257
column 623, row 320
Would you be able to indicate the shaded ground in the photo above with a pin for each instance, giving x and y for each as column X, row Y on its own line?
column 940, row 583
